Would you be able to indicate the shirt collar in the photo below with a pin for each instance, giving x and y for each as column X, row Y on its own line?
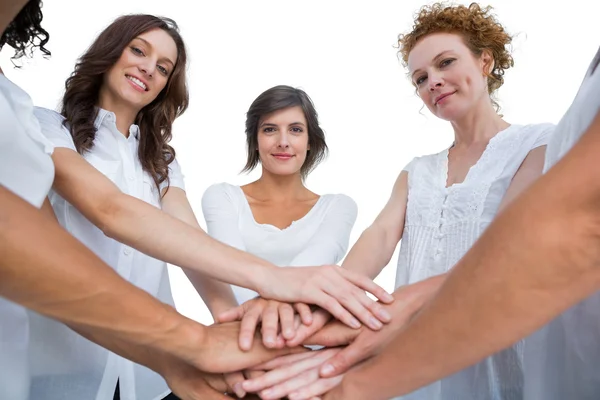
column 110, row 118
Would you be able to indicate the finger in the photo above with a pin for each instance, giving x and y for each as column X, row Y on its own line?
column 253, row 374
column 331, row 304
column 305, row 313
column 286, row 316
column 346, row 359
column 363, row 282
column 283, row 374
column 270, row 324
column 291, row 385
column 320, row 319
column 248, row 327
column 353, row 300
column 234, row 382
column 333, row 334
column 231, row 315
column 281, row 361
column 288, row 371
column 317, row 388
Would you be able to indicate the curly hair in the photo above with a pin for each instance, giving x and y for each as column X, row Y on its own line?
column 480, row 31
column 279, row 98
column 25, row 32
column 155, row 120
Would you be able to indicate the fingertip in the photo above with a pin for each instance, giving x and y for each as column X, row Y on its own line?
column 327, row 370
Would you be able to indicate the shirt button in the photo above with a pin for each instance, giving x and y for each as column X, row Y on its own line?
column 131, row 177
column 127, row 251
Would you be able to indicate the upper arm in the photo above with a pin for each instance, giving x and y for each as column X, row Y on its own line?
column 391, row 218
column 221, row 216
column 530, row 170
column 84, row 187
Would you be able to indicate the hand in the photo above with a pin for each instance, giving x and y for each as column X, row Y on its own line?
column 219, row 350
column 408, row 300
column 319, row 319
column 271, row 313
column 295, row 376
column 189, row 383
column 335, row 289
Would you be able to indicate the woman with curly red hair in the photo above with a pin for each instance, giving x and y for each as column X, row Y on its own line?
column 440, row 204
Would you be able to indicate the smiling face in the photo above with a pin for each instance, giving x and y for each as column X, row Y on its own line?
column 283, row 141
column 141, row 72
column 450, row 80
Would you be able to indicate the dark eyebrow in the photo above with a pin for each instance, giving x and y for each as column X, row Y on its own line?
column 165, row 59
column 297, row 123
column 434, row 59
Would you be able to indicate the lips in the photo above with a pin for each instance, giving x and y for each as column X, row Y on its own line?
column 442, row 97
column 137, row 83
column 282, row 156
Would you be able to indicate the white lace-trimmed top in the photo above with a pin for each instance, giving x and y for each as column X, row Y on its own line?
column 442, row 223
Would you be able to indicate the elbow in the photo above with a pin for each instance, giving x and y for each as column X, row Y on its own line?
column 109, row 212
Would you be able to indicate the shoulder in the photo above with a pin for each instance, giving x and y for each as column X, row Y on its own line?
column 340, row 203
column 218, row 192
column 537, row 134
column 48, row 117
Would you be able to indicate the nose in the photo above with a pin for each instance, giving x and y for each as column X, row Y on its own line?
column 435, row 81
column 147, row 68
column 283, row 140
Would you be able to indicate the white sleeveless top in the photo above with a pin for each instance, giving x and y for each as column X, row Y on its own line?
column 562, row 360
column 320, row 237
column 441, row 226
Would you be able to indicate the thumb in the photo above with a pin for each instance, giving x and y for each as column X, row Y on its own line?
column 231, row 315
column 344, row 360
column 332, row 335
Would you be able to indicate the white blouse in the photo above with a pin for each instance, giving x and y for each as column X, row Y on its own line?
column 64, row 365
column 443, row 223
column 320, row 237
column 562, row 360
column 26, row 169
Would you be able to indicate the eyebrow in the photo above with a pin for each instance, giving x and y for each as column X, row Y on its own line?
column 434, row 58
column 166, row 59
column 271, row 124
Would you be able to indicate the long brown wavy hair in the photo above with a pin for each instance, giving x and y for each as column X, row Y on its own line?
column 82, row 89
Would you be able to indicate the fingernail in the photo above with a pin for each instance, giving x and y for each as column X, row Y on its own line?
column 293, row 395
column 375, row 323
column 239, row 390
column 354, row 323
column 388, row 297
column 266, row 392
column 245, row 344
column 327, row 369
column 383, row 314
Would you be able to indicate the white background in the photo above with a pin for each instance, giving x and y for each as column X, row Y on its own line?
column 342, row 53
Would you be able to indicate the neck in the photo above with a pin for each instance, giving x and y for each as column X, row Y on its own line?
column 124, row 114
column 480, row 124
column 280, row 188
column 9, row 9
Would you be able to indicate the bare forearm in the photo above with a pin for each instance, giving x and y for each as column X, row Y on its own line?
column 538, row 258
column 45, row 269
column 217, row 296
column 371, row 253
column 143, row 227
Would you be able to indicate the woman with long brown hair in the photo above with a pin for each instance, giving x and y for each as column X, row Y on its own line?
column 116, row 122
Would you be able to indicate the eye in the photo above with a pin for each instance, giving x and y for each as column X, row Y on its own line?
column 446, row 62
column 268, row 129
column 420, row 80
column 297, row 130
column 137, row 51
column 162, row 70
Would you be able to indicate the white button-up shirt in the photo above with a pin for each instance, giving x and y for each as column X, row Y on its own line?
column 26, row 169
column 66, row 366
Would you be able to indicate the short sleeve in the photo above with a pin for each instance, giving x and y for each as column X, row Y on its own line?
column 544, row 133
column 51, row 125
column 408, row 168
column 221, row 215
column 176, row 178
column 26, row 168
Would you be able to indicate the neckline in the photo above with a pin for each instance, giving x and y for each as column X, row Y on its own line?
column 271, row 226
column 446, row 163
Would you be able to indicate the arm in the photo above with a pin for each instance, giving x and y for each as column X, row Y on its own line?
column 530, row 170
column 217, row 295
column 533, row 269
column 376, row 245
